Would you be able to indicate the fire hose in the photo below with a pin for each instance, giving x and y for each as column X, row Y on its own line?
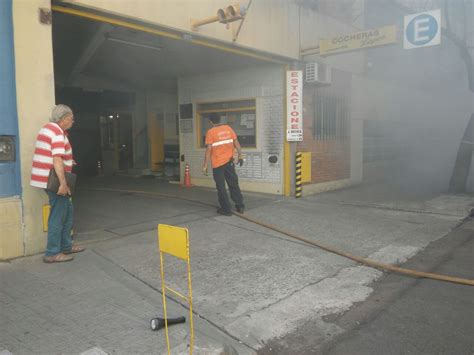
column 358, row 259
column 364, row 261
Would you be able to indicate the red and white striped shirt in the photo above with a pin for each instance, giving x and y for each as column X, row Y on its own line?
column 51, row 142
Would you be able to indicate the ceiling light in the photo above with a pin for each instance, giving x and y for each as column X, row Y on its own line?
column 156, row 48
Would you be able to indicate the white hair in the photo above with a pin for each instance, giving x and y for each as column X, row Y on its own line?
column 59, row 112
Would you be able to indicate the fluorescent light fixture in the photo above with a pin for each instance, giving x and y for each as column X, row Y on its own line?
column 156, row 48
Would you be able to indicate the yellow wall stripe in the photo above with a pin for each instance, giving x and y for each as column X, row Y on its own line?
column 149, row 29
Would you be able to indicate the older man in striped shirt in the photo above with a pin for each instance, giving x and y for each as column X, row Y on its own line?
column 53, row 151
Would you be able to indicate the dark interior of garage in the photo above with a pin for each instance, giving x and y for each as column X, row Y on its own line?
column 100, row 69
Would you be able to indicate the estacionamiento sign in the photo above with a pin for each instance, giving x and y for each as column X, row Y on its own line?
column 294, row 106
column 365, row 39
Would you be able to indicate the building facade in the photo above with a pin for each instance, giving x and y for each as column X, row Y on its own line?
column 141, row 78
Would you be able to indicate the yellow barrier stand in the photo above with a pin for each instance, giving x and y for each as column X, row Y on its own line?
column 46, row 210
column 305, row 167
column 175, row 241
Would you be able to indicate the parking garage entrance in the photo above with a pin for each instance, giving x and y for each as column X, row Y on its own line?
column 121, row 77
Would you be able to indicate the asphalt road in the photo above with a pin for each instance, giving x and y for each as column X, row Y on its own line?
column 405, row 315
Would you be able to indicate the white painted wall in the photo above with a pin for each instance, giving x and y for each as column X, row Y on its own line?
column 167, row 104
column 315, row 26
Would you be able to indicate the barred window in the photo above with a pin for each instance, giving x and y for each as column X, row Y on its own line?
column 330, row 117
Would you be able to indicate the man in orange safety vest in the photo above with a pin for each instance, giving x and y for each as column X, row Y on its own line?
column 221, row 141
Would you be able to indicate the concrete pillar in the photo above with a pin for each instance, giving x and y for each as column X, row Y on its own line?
column 35, row 100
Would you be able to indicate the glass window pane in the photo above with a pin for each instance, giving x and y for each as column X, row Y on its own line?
column 240, row 115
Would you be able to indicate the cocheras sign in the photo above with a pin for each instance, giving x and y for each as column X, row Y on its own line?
column 365, row 39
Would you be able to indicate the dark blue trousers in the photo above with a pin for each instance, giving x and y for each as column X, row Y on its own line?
column 223, row 174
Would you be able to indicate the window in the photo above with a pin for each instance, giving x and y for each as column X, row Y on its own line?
column 330, row 117
column 240, row 115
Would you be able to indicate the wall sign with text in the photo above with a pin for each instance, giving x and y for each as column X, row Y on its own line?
column 359, row 40
column 294, row 106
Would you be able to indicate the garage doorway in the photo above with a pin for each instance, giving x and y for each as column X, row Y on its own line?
column 132, row 71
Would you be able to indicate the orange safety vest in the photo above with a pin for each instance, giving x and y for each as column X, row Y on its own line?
column 221, row 139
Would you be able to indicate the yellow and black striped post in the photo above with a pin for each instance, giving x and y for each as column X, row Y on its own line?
column 298, row 186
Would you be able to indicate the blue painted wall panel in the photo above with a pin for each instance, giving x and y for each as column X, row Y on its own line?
column 10, row 184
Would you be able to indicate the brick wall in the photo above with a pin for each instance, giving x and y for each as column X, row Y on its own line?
column 330, row 158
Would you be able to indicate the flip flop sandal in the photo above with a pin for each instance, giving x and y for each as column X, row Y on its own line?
column 74, row 249
column 58, row 258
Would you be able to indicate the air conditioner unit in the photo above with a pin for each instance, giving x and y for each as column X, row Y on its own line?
column 318, row 73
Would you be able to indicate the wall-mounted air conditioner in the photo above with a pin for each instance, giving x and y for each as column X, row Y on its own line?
column 318, row 73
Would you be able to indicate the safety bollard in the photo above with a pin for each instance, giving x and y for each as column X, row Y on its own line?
column 298, row 185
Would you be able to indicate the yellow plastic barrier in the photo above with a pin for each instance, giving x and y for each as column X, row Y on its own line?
column 175, row 241
column 305, row 167
column 46, row 210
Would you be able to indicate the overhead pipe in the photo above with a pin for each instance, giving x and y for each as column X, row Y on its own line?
column 225, row 15
column 196, row 23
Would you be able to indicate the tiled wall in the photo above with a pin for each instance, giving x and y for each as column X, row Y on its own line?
column 265, row 84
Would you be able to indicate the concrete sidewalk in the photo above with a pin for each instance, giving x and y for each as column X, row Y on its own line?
column 250, row 284
column 89, row 306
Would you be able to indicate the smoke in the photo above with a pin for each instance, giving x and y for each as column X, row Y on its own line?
column 422, row 103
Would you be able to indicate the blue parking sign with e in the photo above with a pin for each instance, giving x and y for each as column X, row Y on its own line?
column 422, row 30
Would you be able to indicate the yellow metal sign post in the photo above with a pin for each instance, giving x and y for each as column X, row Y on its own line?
column 175, row 241
column 359, row 40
